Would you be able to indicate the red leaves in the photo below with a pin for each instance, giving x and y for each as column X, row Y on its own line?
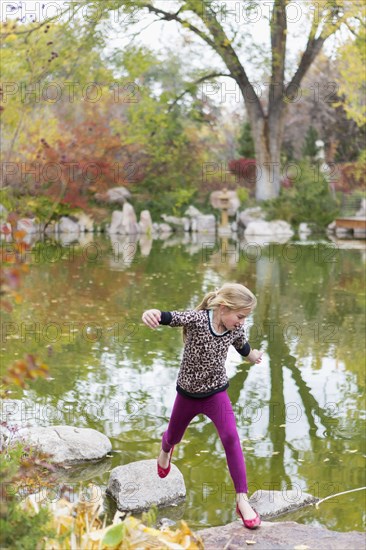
column 246, row 170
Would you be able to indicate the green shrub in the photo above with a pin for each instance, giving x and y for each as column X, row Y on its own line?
column 308, row 200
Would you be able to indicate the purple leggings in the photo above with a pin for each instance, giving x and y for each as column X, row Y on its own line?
column 219, row 409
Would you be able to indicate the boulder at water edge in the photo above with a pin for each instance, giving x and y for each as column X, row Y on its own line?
column 137, row 486
column 145, row 223
column 67, row 443
column 67, row 225
column 275, row 227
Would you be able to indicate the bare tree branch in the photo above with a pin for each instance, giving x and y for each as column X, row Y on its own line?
column 313, row 47
column 222, row 45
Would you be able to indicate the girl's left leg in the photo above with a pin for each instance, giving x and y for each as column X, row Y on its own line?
column 220, row 411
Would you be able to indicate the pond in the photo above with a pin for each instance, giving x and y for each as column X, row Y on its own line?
column 299, row 413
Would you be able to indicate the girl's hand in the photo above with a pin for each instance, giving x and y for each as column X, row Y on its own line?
column 151, row 317
column 255, row 356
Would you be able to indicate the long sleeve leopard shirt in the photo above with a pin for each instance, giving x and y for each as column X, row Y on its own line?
column 202, row 371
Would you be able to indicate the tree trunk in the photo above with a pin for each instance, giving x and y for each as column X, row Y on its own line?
column 267, row 136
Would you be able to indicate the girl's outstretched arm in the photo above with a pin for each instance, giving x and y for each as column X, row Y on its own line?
column 151, row 317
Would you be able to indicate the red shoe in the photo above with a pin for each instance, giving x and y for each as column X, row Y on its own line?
column 249, row 523
column 163, row 472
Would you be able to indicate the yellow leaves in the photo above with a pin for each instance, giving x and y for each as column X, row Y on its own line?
column 10, row 38
column 351, row 65
column 82, row 528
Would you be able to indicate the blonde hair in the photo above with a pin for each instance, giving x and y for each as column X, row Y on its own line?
column 232, row 295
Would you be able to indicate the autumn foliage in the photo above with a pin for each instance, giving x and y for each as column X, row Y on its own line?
column 246, row 170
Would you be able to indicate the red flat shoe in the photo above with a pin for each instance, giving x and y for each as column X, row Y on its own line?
column 249, row 523
column 163, row 472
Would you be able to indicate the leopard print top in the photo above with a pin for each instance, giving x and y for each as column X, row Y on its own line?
column 202, row 371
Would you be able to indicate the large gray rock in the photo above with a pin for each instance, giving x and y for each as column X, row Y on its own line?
column 164, row 228
column 85, row 222
column 204, row 224
column 192, row 212
column 273, row 503
column 177, row 222
column 129, row 220
column 145, row 224
column 115, row 195
column 66, row 443
column 116, row 226
column 125, row 222
column 66, row 225
column 286, row 535
column 250, row 215
column 275, row 227
column 136, row 486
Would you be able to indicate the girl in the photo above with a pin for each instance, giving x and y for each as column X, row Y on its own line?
column 202, row 382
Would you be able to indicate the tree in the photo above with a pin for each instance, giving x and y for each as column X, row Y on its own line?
column 220, row 31
column 41, row 71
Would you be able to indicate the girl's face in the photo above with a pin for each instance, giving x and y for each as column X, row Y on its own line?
column 233, row 318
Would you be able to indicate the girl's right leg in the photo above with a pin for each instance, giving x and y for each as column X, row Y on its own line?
column 184, row 410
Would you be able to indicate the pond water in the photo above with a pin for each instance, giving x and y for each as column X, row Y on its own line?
column 299, row 413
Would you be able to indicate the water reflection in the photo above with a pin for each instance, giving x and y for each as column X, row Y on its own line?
column 299, row 414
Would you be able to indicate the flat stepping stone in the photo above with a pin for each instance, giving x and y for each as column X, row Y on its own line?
column 285, row 535
column 270, row 504
column 136, row 486
column 67, row 444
